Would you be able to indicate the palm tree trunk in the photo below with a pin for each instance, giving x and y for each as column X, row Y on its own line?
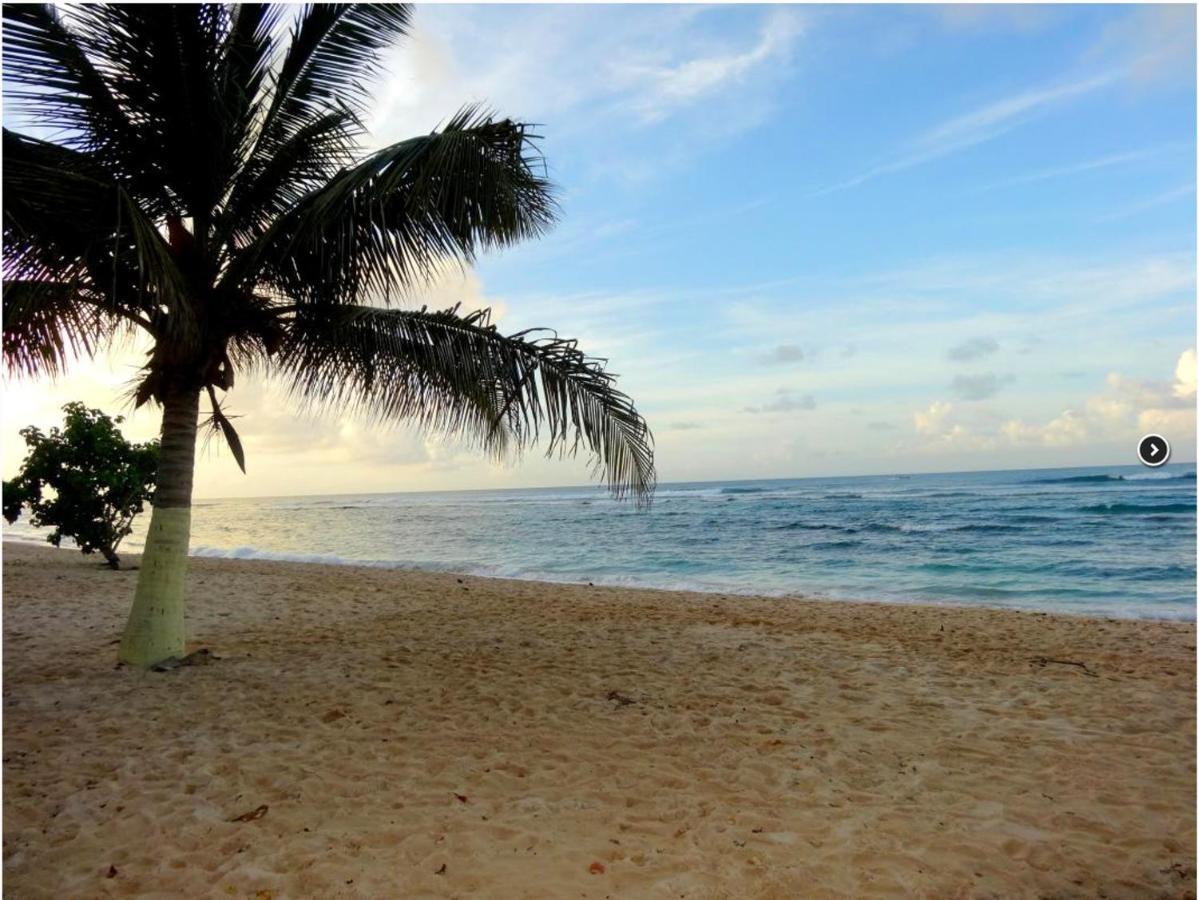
column 155, row 628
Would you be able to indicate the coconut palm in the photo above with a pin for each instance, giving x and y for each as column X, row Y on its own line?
column 195, row 172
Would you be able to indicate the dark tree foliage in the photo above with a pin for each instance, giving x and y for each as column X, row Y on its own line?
column 84, row 480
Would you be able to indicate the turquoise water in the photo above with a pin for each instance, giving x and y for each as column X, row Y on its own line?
column 1109, row 541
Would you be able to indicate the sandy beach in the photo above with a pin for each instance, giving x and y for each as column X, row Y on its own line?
column 397, row 734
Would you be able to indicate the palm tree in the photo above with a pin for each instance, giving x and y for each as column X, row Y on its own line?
column 198, row 176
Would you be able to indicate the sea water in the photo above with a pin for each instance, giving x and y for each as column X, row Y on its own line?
column 1116, row 541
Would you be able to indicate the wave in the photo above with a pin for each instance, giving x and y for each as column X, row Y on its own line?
column 1161, row 476
column 1138, row 509
column 513, row 571
column 941, row 495
column 740, row 490
column 901, row 528
column 1078, row 479
column 808, row 526
column 323, row 507
column 981, row 527
column 995, row 580
column 328, row 559
column 1100, row 479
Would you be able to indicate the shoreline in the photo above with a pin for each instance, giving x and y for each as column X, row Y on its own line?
column 338, row 562
column 425, row 734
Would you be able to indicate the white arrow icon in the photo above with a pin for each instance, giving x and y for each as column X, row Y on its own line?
column 1153, row 450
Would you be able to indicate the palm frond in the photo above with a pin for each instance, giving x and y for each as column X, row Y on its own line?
column 455, row 373
column 247, row 52
column 220, row 424
column 311, row 122
column 50, row 76
column 206, row 185
column 395, row 218
column 271, row 185
column 64, row 222
column 333, row 55
column 48, row 325
column 166, row 64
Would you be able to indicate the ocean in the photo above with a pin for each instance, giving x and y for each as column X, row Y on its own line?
column 1116, row 541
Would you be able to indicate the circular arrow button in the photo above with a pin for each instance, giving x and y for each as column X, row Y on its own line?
column 1153, row 450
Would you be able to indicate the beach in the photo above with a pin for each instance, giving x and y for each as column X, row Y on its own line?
column 370, row 732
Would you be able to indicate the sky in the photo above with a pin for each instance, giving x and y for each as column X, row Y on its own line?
column 811, row 240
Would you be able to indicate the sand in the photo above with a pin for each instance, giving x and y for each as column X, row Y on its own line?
column 405, row 734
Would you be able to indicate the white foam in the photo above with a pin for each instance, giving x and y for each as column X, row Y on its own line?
column 254, row 553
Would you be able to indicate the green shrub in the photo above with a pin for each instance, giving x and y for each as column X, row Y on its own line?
column 85, row 480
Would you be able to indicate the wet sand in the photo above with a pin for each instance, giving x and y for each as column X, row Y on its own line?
column 403, row 734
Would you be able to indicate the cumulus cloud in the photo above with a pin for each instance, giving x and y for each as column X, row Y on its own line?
column 934, row 418
column 974, row 348
column 786, row 400
column 979, row 387
column 938, row 424
column 1127, row 408
column 784, row 353
column 1066, row 430
column 1185, row 376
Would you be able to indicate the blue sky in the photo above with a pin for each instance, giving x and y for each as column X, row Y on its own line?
column 812, row 240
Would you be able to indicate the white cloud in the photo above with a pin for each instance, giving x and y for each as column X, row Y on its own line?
column 1174, row 423
column 1066, row 430
column 1110, row 421
column 978, row 126
column 1069, row 429
column 658, row 90
column 1153, row 42
column 934, row 420
column 1124, row 411
column 993, row 119
column 1162, row 199
column 590, row 66
column 1102, row 162
column 1185, row 376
